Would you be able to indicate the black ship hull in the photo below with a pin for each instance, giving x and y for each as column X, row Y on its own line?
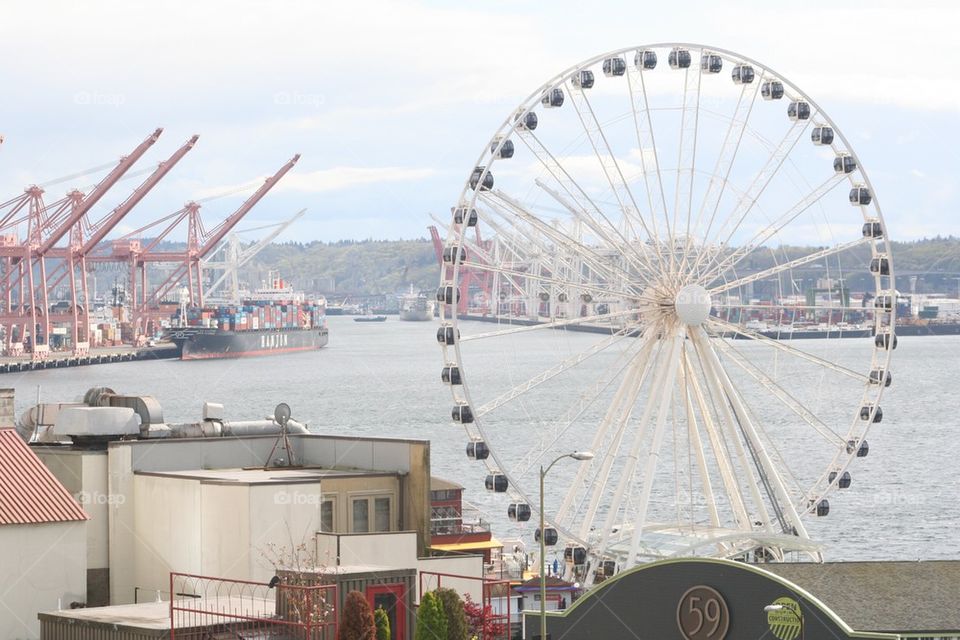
column 195, row 343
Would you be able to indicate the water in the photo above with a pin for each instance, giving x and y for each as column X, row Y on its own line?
column 384, row 379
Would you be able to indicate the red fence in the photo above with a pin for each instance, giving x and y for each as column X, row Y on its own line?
column 202, row 607
column 494, row 605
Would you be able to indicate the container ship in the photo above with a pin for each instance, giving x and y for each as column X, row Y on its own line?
column 272, row 320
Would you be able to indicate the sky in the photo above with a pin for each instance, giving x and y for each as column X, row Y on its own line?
column 391, row 102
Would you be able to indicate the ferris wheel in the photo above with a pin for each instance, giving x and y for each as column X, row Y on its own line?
column 633, row 268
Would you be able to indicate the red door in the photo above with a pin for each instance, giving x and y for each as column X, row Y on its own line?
column 392, row 597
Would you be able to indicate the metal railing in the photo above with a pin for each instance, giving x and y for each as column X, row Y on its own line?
column 286, row 608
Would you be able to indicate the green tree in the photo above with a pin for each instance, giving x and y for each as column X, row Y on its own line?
column 382, row 622
column 431, row 622
column 357, row 623
column 454, row 613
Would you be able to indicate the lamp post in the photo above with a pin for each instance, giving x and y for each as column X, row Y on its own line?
column 780, row 607
column 576, row 455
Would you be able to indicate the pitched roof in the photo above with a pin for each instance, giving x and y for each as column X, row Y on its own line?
column 893, row 596
column 29, row 493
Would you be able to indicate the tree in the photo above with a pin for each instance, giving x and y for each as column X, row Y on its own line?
column 480, row 621
column 431, row 622
column 357, row 621
column 382, row 622
column 454, row 613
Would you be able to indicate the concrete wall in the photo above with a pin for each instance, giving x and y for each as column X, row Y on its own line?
column 166, row 532
column 84, row 475
column 225, row 509
column 41, row 564
column 395, row 550
column 283, row 519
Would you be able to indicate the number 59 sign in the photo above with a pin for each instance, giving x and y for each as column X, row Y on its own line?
column 703, row 615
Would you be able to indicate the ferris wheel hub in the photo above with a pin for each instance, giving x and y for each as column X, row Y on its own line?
column 692, row 304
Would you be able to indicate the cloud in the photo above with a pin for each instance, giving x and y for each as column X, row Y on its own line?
column 325, row 180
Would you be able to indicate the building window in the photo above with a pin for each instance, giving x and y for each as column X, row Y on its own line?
column 376, row 507
column 381, row 514
column 326, row 516
column 361, row 516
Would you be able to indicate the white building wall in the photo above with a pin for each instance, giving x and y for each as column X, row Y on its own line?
column 464, row 565
column 284, row 518
column 166, row 531
column 225, row 543
column 41, row 565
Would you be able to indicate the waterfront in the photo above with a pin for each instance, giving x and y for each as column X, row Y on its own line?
column 383, row 379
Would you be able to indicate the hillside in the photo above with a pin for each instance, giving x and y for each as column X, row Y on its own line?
column 372, row 267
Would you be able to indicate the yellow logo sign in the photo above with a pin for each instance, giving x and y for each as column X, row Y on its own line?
column 786, row 622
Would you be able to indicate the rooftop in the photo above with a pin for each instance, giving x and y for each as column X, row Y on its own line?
column 890, row 596
column 29, row 493
column 439, row 484
column 258, row 476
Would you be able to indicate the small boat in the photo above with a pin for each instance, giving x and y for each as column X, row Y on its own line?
column 371, row 319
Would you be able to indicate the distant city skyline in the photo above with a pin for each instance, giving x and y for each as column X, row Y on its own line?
column 391, row 103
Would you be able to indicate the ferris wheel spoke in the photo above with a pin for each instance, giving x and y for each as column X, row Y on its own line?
column 781, row 394
column 611, row 168
column 636, row 355
column 639, row 263
column 616, row 417
column 505, row 205
column 526, row 275
column 756, row 189
column 720, row 177
column 787, row 266
column 773, row 483
column 585, row 204
column 721, row 265
column 552, row 372
column 687, row 152
column 646, row 139
column 557, row 324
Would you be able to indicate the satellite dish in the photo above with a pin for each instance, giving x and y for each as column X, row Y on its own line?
column 282, row 413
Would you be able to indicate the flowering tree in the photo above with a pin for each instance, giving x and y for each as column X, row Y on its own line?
column 481, row 623
column 298, row 575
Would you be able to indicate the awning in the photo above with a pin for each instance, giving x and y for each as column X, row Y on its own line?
column 481, row 545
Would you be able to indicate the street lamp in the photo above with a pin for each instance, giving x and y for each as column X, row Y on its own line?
column 780, row 607
column 576, row 455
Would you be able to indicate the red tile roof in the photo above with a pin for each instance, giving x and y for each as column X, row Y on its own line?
column 29, row 493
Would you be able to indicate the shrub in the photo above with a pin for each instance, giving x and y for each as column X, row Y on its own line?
column 382, row 622
column 431, row 622
column 357, row 620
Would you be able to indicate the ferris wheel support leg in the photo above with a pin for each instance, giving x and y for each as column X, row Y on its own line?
column 653, row 453
column 749, row 430
column 729, row 420
column 657, row 389
column 727, row 474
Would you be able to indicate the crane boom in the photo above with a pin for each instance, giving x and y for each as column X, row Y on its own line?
column 134, row 198
column 85, row 203
column 221, row 230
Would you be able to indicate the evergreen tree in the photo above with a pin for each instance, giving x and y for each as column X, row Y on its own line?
column 431, row 622
column 357, row 623
column 454, row 613
column 382, row 622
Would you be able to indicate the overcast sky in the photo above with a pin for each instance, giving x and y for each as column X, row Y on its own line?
column 390, row 102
